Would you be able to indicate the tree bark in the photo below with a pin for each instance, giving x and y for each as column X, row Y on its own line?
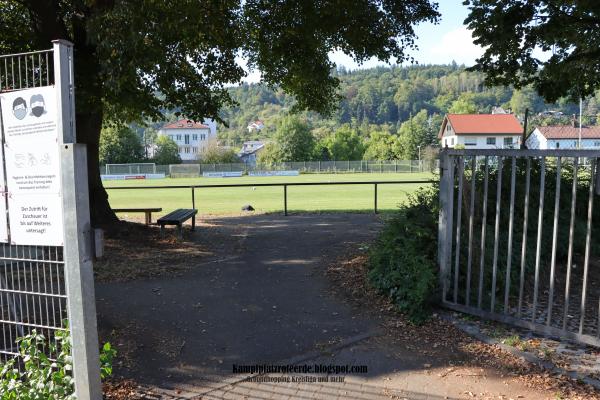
column 89, row 115
column 49, row 24
column 89, row 126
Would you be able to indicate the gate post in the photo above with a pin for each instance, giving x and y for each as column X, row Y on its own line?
column 445, row 220
column 77, row 254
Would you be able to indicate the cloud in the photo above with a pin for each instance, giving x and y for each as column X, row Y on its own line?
column 455, row 45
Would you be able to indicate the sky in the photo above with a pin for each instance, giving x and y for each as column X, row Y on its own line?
column 443, row 43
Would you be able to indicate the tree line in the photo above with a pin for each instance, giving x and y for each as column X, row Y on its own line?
column 385, row 98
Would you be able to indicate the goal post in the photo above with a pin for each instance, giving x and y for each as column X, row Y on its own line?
column 132, row 168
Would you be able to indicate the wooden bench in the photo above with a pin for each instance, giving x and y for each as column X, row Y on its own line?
column 178, row 217
column 147, row 211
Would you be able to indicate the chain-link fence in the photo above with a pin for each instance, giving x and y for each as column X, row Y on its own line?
column 314, row 167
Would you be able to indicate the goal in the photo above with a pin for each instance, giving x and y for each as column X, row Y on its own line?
column 135, row 168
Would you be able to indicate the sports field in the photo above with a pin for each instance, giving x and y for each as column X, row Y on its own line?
column 268, row 199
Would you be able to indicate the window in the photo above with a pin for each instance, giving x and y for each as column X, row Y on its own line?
column 557, row 145
column 448, row 129
column 508, row 142
column 178, row 137
column 452, row 142
column 194, row 150
column 203, row 136
column 187, row 149
column 195, row 136
column 597, row 144
column 180, row 149
column 187, row 139
column 470, row 141
column 491, row 141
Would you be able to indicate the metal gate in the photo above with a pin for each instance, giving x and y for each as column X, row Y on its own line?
column 41, row 287
column 517, row 242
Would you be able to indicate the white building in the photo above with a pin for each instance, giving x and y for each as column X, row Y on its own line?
column 480, row 131
column 191, row 137
column 564, row 137
column 256, row 126
column 250, row 150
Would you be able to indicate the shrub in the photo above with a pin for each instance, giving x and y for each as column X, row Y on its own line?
column 402, row 263
column 41, row 378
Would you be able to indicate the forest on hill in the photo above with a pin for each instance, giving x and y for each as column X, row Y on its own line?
column 384, row 113
column 383, row 98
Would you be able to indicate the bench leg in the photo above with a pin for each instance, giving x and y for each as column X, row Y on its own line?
column 180, row 229
column 148, row 217
column 162, row 231
column 193, row 223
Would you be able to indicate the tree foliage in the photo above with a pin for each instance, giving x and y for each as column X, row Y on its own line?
column 383, row 146
column 344, row 144
column 513, row 31
column 417, row 133
column 119, row 144
column 294, row 140
column 215, row 154
column 167, row 151
column 135, row 58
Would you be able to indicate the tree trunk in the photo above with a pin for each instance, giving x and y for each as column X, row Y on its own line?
column 89, row 126
column 49, row 24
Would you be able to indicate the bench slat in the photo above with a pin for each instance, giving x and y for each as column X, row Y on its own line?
column 155, row 209
column 177, row 216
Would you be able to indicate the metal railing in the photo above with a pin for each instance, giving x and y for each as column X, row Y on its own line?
column 285, row 186
column 515, row 238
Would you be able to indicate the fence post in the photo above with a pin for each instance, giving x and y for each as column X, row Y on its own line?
column 445, row 220
column 193, row 198
column 79, row 276
column 375, row 199
column 285, row 211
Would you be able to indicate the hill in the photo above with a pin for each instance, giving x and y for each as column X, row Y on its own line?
column 388, row 96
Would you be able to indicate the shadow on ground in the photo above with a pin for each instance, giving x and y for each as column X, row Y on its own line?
column 264, row 298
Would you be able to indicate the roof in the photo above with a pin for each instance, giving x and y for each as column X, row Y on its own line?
column 569, row 132
column 482, row 124
column 185, row 124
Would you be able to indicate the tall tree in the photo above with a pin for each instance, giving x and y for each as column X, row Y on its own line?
column 512, row 30
column 294, row 139
column 136, row 58
column 120, row 144
column 417, row 133
column 167, row 151
column 465, row 104
column 344, row 144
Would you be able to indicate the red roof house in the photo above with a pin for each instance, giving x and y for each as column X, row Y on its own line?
column 480, row 131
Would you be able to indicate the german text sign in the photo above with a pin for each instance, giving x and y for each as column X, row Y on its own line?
column 32, row 166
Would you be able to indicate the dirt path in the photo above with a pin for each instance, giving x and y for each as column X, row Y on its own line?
column 266, row 299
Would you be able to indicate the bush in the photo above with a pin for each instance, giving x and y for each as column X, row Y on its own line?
column 41, row 378
column 167, row 151
column 215, row 154
column 402, row 263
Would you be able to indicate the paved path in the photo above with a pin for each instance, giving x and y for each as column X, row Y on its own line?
column 267, row 300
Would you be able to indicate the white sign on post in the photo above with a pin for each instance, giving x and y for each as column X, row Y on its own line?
column 32, row 166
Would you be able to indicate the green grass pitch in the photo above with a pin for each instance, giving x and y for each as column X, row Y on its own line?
column 216, row 201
